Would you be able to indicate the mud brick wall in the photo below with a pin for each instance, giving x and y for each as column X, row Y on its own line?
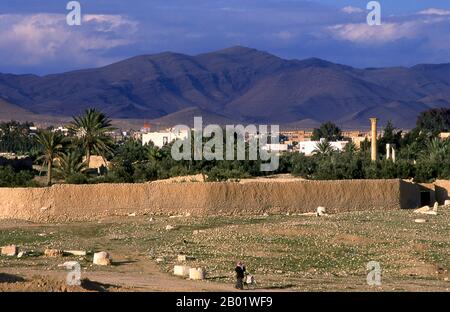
column 62, row 203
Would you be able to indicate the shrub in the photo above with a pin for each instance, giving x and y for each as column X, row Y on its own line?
column 11, row 178
column 76, row 178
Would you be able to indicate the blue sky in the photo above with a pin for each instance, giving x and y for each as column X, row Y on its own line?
column 34, row 36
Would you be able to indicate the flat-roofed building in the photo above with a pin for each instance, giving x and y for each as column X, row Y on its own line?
column 309, row 147
column 163, row 138
column 276, row 147
column 297, row 135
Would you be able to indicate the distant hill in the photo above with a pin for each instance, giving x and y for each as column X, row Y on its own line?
column 8, row 109
column 237, row 84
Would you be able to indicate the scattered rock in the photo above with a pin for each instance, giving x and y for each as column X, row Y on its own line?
column 420, row 221
column 52, row 253
column 308, row 214
column 447, row 202
column 265, row 214
column 428, row 210
column 132, row 214
column 21, row 254
column 321, row 211
column 169, row 227
column 150, row 220
column 10, row 251
column 181, row 258
column 197, row 274
column 69, row 264
column 102, row 258
column 75, row 252
column 159, row 260
column 424, row 208
column 181, row 270
column 188, row 214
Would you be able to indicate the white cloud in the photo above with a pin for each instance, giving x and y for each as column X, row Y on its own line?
column 352, row 10
column 428, row 27
column 434, row 11
column 363, row 33
column 29, row 40
column 285, row 35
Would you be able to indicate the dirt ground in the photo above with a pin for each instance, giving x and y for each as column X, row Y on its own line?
column 283, row 252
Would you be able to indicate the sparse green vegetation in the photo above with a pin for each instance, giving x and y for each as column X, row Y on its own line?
column 294, row 252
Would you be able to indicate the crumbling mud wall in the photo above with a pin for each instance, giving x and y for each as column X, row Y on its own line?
column 61, row 203
column 24, row 203
column 442, row 189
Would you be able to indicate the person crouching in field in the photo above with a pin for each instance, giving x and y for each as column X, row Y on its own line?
column 240, row 272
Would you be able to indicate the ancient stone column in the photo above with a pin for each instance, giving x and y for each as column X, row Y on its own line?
column 388, row 151
column 374, row 154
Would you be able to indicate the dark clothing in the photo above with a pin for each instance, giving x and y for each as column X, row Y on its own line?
column 240, row 270
column 239, row 283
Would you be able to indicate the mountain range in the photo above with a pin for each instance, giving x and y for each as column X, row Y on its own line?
column 237, row 84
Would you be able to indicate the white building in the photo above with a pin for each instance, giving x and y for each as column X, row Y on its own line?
column 163, row 138
column 276, row 147
column 308, row 147
column 61, row 129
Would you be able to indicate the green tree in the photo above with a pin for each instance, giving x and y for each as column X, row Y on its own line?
column 390, row 136
column 90, row 131
column 433, row 161
column 11, row 178
column 52, row 146
column 328, row 131
column 434, row 121
column 16, row 137
column 70, row 164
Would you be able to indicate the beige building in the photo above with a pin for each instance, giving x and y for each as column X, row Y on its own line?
column 297, row 135
column 444, row 135
column 96, row 162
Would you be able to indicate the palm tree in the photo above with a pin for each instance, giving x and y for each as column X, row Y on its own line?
column 52, row 145
column 323, row 148
column 70, row 163
column 90, row 131
column 436, row 150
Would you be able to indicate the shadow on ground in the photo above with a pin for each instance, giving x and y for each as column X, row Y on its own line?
column 96, row 286
column 10, row 278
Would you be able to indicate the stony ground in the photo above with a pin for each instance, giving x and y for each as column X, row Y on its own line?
column 284, row 253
